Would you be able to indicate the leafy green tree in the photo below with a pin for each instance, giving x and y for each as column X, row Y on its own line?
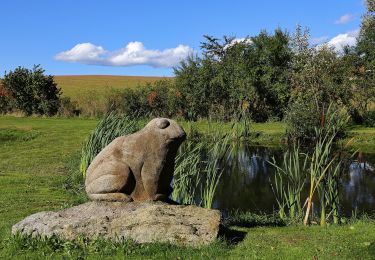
column 32, row 91
column 319, row 79
column 271, row 71
column 366, row 39
column 364, row 72
column 247, row 77
column 193, row 81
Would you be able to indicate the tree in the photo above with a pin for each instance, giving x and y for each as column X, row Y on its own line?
column 359, row 64
column 319, row 78
column 237, row 78
column 193, row 80
column 32, row 91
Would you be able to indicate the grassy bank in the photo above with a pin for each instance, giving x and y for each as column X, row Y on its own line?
column 34, row 158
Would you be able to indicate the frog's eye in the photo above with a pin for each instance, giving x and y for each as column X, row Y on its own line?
column 162, row 123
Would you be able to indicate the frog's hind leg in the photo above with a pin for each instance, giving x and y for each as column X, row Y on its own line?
column 116, row 185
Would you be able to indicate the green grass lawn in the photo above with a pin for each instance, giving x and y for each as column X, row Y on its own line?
column 34, row 158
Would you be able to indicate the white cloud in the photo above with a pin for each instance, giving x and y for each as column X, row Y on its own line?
column 134, row 53
column 346, row 39
column 83, row 52
column 344, row 19
column 238, row 40
column 319, row 40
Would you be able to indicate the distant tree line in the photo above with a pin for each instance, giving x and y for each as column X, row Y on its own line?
column 262, row 78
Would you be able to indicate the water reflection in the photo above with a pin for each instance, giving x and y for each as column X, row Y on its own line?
column 245, row 183
column 359, row 186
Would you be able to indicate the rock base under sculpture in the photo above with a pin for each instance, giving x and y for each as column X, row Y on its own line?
column 142, row 222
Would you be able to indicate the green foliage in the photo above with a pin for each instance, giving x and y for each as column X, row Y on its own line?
column 303, row 118
column 323, row 166
column 159, row 99
column 218, row 152
column 110, row 127
column 198, row 168
column 290, row 179
column 318, row 75
column 68, row 107
column 366, row 40
column 360, row 63
column 248, row 219
column 5, row 100
column 32, row 91
column 321, row 170
column 187, row 174
column 369, row 118
column 5, row 105
column 235, row 77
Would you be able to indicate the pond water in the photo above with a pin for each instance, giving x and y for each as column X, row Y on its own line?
column 245, row 183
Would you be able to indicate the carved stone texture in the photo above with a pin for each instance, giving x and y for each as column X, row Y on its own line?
column 142, row 222
column 136, row 167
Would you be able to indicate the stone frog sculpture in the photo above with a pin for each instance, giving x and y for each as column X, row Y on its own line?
column 136, row 167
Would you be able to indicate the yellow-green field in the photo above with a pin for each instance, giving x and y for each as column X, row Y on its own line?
column 78, row 85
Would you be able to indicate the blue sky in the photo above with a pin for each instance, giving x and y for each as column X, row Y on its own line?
column 149, row 37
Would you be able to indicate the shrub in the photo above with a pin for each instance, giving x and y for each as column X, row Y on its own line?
column 159, row 99
column 32, row 91
column 304, row 118
column 68, row 107
column 5, row 101
column 301, row 119
column 5, row 105
column 369, row 118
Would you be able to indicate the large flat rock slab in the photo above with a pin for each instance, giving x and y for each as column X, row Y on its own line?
column 142, row 222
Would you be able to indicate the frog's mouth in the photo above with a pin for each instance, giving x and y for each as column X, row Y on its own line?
column 180, row 138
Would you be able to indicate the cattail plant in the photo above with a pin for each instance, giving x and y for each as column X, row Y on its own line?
column 289, row 181
column 325, row 164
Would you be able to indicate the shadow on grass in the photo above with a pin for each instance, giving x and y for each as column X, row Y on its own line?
column 248, row 220
column 371, row 248
column 230, row 232
column 230, row 235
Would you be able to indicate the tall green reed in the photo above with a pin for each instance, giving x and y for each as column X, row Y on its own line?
column 199, row 166
column 218, row 152
column 187, row 172
column 111, row 126
column 320, row 171
column 289, row 181
column 325, row 165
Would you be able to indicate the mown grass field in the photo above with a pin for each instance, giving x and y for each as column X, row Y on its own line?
column 35, row 157
column 73, row 86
